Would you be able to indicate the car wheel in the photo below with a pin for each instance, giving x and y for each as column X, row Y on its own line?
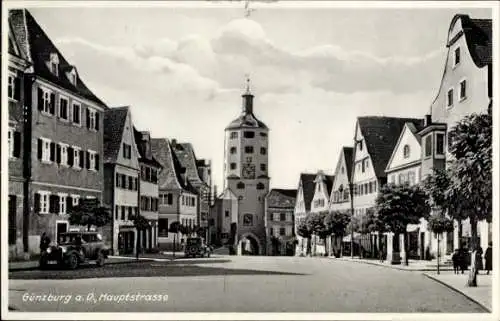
column 72, row 262
column 100, row 259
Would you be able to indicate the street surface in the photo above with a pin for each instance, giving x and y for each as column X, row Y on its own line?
column 234, row 284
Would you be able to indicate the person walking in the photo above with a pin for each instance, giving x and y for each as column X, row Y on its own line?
column 462, row 259
column 488, row 256
column 479, row 259
column 44, row 242
column 456, row 261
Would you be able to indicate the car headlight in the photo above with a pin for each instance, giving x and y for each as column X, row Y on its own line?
column 63, row 249
column 49, row 250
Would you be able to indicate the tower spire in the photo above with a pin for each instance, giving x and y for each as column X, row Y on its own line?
column 247, row 97
column 248, row 91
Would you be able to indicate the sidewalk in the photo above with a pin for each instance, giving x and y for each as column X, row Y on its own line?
column 413, row 265
column 482, row 294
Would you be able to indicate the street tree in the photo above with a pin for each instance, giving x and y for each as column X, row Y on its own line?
column 89, row 215
column 400, row 205
column 315, row 223
column 141, row 224
column 471, row 174
column 439, row 224
column 336, row 223
column 304, row 232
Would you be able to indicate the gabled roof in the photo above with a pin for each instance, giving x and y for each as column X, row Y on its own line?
column 281, row 198
column 478, row 37
column 414, row 130
column 36, row 45
column 308, row 185
column 185, row 155
column 146, row 159
column 381, row 135
column 348, row 154
column 171, row 175
column 329, row 179
column 246, row 120
column 114, row 122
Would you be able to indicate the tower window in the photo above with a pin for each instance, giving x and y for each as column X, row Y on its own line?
column 233, row 150
column 260, row 186
column 263, row 167
column 232, row 165
column 234, row 135
column 263, row 151
column 248, row 134
column 249, row 149
column 240, row 185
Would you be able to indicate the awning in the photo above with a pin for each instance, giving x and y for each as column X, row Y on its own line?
column 412, row 227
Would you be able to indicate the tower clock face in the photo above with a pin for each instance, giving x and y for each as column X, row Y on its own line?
column 248, row 171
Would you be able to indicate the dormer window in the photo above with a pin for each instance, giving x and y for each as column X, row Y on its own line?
column 72, row 76
column 54, row 64
column 456, row 60
column 406, row 151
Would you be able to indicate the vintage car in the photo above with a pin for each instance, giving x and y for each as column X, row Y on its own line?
column 196, row 247
column 74, row 248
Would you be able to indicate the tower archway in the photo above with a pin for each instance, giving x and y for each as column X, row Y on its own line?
column 249, row 244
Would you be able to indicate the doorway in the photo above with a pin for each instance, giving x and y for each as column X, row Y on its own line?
column 126, row 242
column 61, row 227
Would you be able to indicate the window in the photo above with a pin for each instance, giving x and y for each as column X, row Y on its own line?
column 342, row 170
column 263, row 134
column 463, row 89
column 62, row 203
column 271, row 231
column 263, row 151
column 406, row 151
column 232, row 166
column 163, row 227
column 248, row 159
column 46, row 101
column 14, row 87
column 127, row 151
column 260, row 186
column 64, row 154
column 233, row 150
column 439, row 144
column 54, row 63
column 76, row 157
column 428, row 146
column 92, row 119
column 449, row 102
column 240, row 185
column 282, row 231
column 248, row 220
column 457, row 56
column 46, row 150
column 43, row 202
column 363, row 166
column 75, row 199
column 370, row 188
column 234, row 135
column 169, row 199
column 283, row 217
column 263, row 167
column 248, row 134
column 77, row 111
column 14, row 140
column 63, row 108
column 226, row 213
column 360, row 145
column 249, row 149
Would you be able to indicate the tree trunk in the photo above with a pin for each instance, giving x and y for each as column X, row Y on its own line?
column 175, row 236
column 460, row 230
column 405, row 245
column 308, row 246
column 438, row 254
column 88, row 227
column 380, row 250
column 472, row 280
column 372, row 246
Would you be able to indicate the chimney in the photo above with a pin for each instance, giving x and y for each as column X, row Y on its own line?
column 174, row 142
column 428, row 120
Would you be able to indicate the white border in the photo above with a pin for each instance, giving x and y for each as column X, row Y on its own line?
column 271, row 316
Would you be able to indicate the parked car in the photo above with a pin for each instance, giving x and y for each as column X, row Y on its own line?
column 195, row 247
column 75, row 248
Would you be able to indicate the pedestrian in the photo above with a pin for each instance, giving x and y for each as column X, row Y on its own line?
column 463, row 259
column 488, row 258
column 456, row 261
column 44, row 242
column 479, row 259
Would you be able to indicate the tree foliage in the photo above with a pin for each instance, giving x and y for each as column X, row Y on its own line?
column 373, row 223
column 303, row 229
column 89, row 216
column 471, row 167
column 316, row 224
column 174, row 227
column 336, row 222
column 439, row 223
column 436, row 186
column 400, row 205
column 140, row 222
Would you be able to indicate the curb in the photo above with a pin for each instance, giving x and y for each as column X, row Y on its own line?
column 457, row 291
column 394, row 267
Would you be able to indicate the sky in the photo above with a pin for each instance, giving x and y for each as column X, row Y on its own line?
column 313, row 71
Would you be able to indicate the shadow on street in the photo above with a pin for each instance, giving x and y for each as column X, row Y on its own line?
column 140, row 269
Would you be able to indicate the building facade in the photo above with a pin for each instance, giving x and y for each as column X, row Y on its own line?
column 246, row 175
column 63, row 132
column 148, row 190
column 466, row 88
column 375, row 139
column 121, row 178
column 305, row 194
column 340, row 198
column 320, row 204
column 280, row 234
column 17, row 65
column 224, row 227
column 177, row 197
